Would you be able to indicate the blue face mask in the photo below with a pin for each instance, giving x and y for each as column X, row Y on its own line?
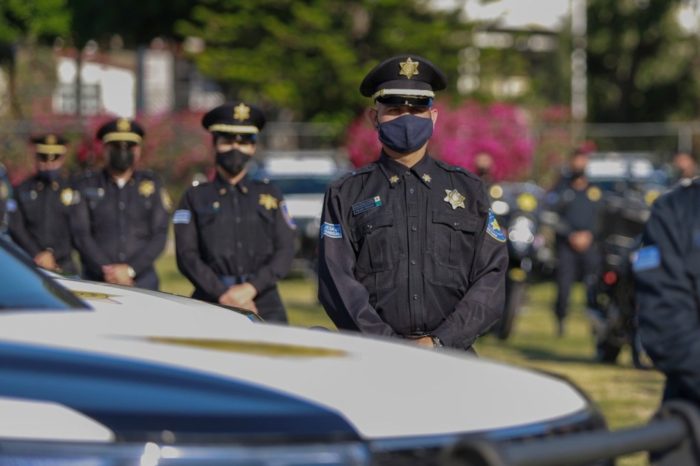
column 49, row 175
column 406, row 133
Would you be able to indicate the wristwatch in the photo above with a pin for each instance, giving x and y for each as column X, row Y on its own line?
column 437, row 343
column 131, row 272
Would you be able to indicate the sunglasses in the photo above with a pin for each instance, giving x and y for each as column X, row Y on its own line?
column 41, row 157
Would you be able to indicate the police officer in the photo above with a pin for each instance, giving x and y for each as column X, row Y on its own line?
column 41, row 226
column 409, row 248
column 121, row 222
column 233, row 235
column 579, row 207
column 685, row 168
column 667, row 273
column 8, row 205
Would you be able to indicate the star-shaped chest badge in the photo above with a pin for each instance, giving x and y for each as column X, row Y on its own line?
column 454, row 198
column 426, row 178
column 394, row 179
column 268, row 201
column 409, row 68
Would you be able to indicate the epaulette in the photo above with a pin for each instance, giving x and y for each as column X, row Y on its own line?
column 360, row 171
column 455, row 168
column 146, row 173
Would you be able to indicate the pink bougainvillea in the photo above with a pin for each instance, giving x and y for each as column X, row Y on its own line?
column 461, row 133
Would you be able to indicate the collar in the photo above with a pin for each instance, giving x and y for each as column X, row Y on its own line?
column 223, row 186
column 424, row 170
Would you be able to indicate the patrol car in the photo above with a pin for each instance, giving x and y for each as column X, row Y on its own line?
column 303, row 177
column 109, row 375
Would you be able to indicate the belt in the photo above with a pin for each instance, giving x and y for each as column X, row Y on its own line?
column 230, row 280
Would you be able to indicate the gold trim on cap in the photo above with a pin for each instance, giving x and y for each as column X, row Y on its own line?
column 404, row 92
column 117, row 136
column 51, row 149
column 222, row 128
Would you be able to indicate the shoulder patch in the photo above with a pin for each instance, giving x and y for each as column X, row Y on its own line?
column 494, row 229
column 182, row 217
column 647, row 258
column 284, row 210
column 11, row 205
column 331, row 230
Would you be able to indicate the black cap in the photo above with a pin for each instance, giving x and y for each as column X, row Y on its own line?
column 121, row 129
column 404, row 79
column 49, row 144
column 234, row 118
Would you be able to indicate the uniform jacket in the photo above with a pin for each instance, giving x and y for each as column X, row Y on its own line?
column 113, row 225
column 238, row 231
column 667, row 272
column 578, row 210
column 43, row 220
column 411, row 252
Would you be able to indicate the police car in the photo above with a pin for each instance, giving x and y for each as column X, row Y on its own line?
column 107, row 375
column 303, row 177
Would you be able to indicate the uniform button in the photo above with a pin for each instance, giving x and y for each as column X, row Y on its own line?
column 239, row 244
column 238, row 219
column 413, row 262
column 122, row 206
column 456, row 224
column 411, row 190
column 414, row 228
column 122, row 256
column 415, row 297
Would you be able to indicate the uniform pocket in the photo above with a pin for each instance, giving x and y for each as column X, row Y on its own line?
column 378, row 242
column 453, row 237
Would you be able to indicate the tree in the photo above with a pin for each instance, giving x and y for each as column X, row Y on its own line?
column 308, row 57
column 27, row 21
column 640, row 62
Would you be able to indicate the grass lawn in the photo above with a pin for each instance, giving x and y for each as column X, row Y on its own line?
column 626, row 396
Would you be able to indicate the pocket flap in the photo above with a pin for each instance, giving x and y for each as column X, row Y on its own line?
column 458, row 221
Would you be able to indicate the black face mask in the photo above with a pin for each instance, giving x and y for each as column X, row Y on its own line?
column 576, row 174
column 232, row 161
column 120, row 159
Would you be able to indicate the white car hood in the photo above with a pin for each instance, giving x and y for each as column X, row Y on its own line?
column 383, row 389
column 304, row 205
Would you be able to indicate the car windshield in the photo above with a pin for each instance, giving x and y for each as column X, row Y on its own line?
column 24, row 287
column 302, row 184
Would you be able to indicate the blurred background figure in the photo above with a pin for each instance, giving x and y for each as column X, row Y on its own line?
column 41, row 226
column 7, row 203
column 121, row 222
column 483, row 163
column 685, row 168
column 578, row 205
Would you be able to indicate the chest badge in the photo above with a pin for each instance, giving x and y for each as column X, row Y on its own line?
column 147, row 188
column 67, row 197
column 394, row 179
column 454, row 198
column 268, row 201
column 594, row 194
column 426, row 178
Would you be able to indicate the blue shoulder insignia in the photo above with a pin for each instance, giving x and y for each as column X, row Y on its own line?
column 647, row 258
column 494, row 229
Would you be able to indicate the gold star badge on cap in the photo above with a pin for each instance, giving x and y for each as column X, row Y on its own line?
column 454, row 198
column 51, row 139
column 123, row 125
column 409, row 68
column 394, row 179
column 426, row 178
column 147, row 188
column 241, row 112
column 268, row 201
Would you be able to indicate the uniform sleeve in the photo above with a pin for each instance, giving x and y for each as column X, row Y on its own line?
column 91, row 254
column 345, row 300
column 20, row 234
column 280, row 263
column 145, row 258
column 484, row 301
column 668, row 313
column 189, row 259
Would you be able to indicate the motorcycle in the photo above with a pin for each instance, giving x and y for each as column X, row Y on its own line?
column 516, row 206
column 614, row 317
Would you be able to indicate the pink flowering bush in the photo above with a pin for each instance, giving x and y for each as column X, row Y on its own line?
column 461, row 133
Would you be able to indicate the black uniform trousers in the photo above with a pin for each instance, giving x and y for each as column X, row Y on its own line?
column 573, row 265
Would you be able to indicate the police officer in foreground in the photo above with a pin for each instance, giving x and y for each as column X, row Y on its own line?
column 121, row 223
column 667, row 273
column 44, row 203
column 578, row 205
column 233, row 235
column 409, row 248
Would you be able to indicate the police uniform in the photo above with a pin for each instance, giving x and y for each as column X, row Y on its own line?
column 411, row 252
column 44, row 205
column 121, row 225
column 228, row 234
column 578, row 210
column 667, row 273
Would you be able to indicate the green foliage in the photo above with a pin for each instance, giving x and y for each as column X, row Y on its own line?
column 308, row 57
column 33, row 20
column 640, row 62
